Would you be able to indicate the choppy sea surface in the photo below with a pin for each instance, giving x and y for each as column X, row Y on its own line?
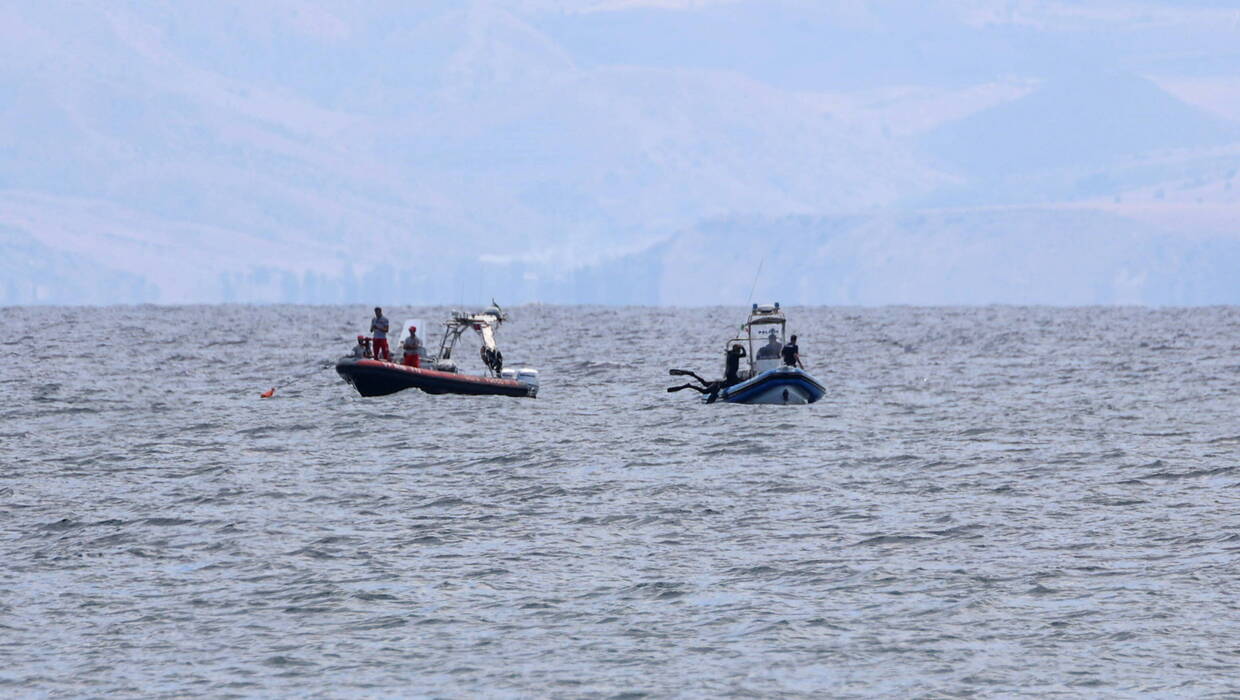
column 990, row 501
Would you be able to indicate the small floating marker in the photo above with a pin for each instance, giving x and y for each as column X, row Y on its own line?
column 268, row 394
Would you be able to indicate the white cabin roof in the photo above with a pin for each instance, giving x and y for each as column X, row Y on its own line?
column 763, row 314
column 762, row 320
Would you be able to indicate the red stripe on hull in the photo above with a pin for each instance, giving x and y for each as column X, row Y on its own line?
column 436, row 374
column 379, row 378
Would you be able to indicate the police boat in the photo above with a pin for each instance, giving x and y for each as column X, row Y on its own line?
column 766, row 379
column 439, row 374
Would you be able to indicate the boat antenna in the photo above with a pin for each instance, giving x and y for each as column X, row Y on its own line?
column 754, row 286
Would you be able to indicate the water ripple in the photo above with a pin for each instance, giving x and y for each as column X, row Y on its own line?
column 990, row 502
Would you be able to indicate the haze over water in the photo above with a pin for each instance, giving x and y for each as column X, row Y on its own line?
column 990, row 501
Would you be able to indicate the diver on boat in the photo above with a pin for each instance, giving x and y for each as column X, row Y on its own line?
column 362, row 349
column 379, row 330
column 770, row 351
column 707, row 387
column 413, row 349
column 731, row 375
column 732, row 364
column 792, row 353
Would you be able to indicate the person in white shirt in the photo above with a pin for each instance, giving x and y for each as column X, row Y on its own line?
column 413, row 348
column 379, row 329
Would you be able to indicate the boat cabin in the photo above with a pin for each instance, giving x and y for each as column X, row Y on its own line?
column 762, row 336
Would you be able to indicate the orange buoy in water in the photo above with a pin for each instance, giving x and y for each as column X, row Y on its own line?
column 268, row 394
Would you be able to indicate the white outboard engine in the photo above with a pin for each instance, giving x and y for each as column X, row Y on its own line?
column 529, row 376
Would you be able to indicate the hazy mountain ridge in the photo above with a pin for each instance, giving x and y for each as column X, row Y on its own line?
column 34, row 273
column 337, row 151
column 1018, row 255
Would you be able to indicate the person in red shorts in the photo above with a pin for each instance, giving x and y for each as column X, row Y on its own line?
column 413, row 348
column 379, row 330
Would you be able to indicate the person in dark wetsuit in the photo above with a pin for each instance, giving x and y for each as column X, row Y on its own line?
column 792, row 354
column 732, row 364
column 731, row 372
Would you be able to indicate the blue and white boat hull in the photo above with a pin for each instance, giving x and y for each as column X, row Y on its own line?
column 781, row 386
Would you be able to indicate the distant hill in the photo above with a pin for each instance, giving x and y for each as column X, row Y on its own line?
column 550, row 150
column 1022, row 255
column 333, row 143
column 1076, row 121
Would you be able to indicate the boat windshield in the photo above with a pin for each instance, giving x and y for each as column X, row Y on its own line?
column 767, row 339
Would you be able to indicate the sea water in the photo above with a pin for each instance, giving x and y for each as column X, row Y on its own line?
column 989, row 501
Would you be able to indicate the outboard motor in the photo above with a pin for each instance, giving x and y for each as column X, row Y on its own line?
column 529, row 376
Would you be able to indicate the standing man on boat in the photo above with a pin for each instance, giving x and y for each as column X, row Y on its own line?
column 379, row 329
column 792, row 353
column 413, row 349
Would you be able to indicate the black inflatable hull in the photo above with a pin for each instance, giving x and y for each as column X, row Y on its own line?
column 379, row 378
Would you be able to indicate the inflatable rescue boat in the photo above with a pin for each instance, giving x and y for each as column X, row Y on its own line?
column 439, row 374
